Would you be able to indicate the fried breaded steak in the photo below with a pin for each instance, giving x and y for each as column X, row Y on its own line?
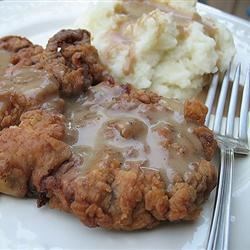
column 138, row 160
column 120, row 158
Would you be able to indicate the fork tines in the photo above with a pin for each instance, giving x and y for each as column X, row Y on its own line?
column 230, row 142
column 216, row 123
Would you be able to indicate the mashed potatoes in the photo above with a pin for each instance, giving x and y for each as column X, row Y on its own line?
column 163, row 45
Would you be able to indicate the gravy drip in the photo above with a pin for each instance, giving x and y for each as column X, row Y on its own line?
column 104, row 125
column 29, row 81
column 4, row 60
column 39, row 89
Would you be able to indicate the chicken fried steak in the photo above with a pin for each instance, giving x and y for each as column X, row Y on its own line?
column 119, row 158
column 138, row 160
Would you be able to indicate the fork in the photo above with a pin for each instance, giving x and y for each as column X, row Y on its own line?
column 230, row 141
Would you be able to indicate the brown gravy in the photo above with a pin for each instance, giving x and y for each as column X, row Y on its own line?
column 4, row 60
column 28, row 81
column 137, row 8
column 102, row 124
column 39, row 89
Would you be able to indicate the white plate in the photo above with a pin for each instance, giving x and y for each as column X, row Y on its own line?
column 23, row 226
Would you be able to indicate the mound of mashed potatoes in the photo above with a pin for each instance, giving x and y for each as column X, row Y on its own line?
column 162, row 45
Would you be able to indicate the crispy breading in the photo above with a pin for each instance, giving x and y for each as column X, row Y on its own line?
column 27, row 88
column 23, row 86
column 149, row 158
column 128, row 199
column 14, row 43
column 73, row 61
column 195, row 111
column 69, row 65
column 13, row 105
column 23, row 51
column 30, row 152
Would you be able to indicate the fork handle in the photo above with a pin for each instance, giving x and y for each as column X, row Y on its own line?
column 219, row 229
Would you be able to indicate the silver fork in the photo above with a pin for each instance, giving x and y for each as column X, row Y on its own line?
column 230, row 142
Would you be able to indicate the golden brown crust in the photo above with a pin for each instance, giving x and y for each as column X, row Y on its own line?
column 195, row 111
column 28, row 56
column 23, row 52
column 113, row 196
column 14, row 43
column 71, row 59
column 208, row 142
column 15, row 99
column 144, row 96
column 130, row 199
column 15, row 103
column 72, row 69
column 31, row 151
column 44, row 123
column 34, row 160
column 14, row 106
